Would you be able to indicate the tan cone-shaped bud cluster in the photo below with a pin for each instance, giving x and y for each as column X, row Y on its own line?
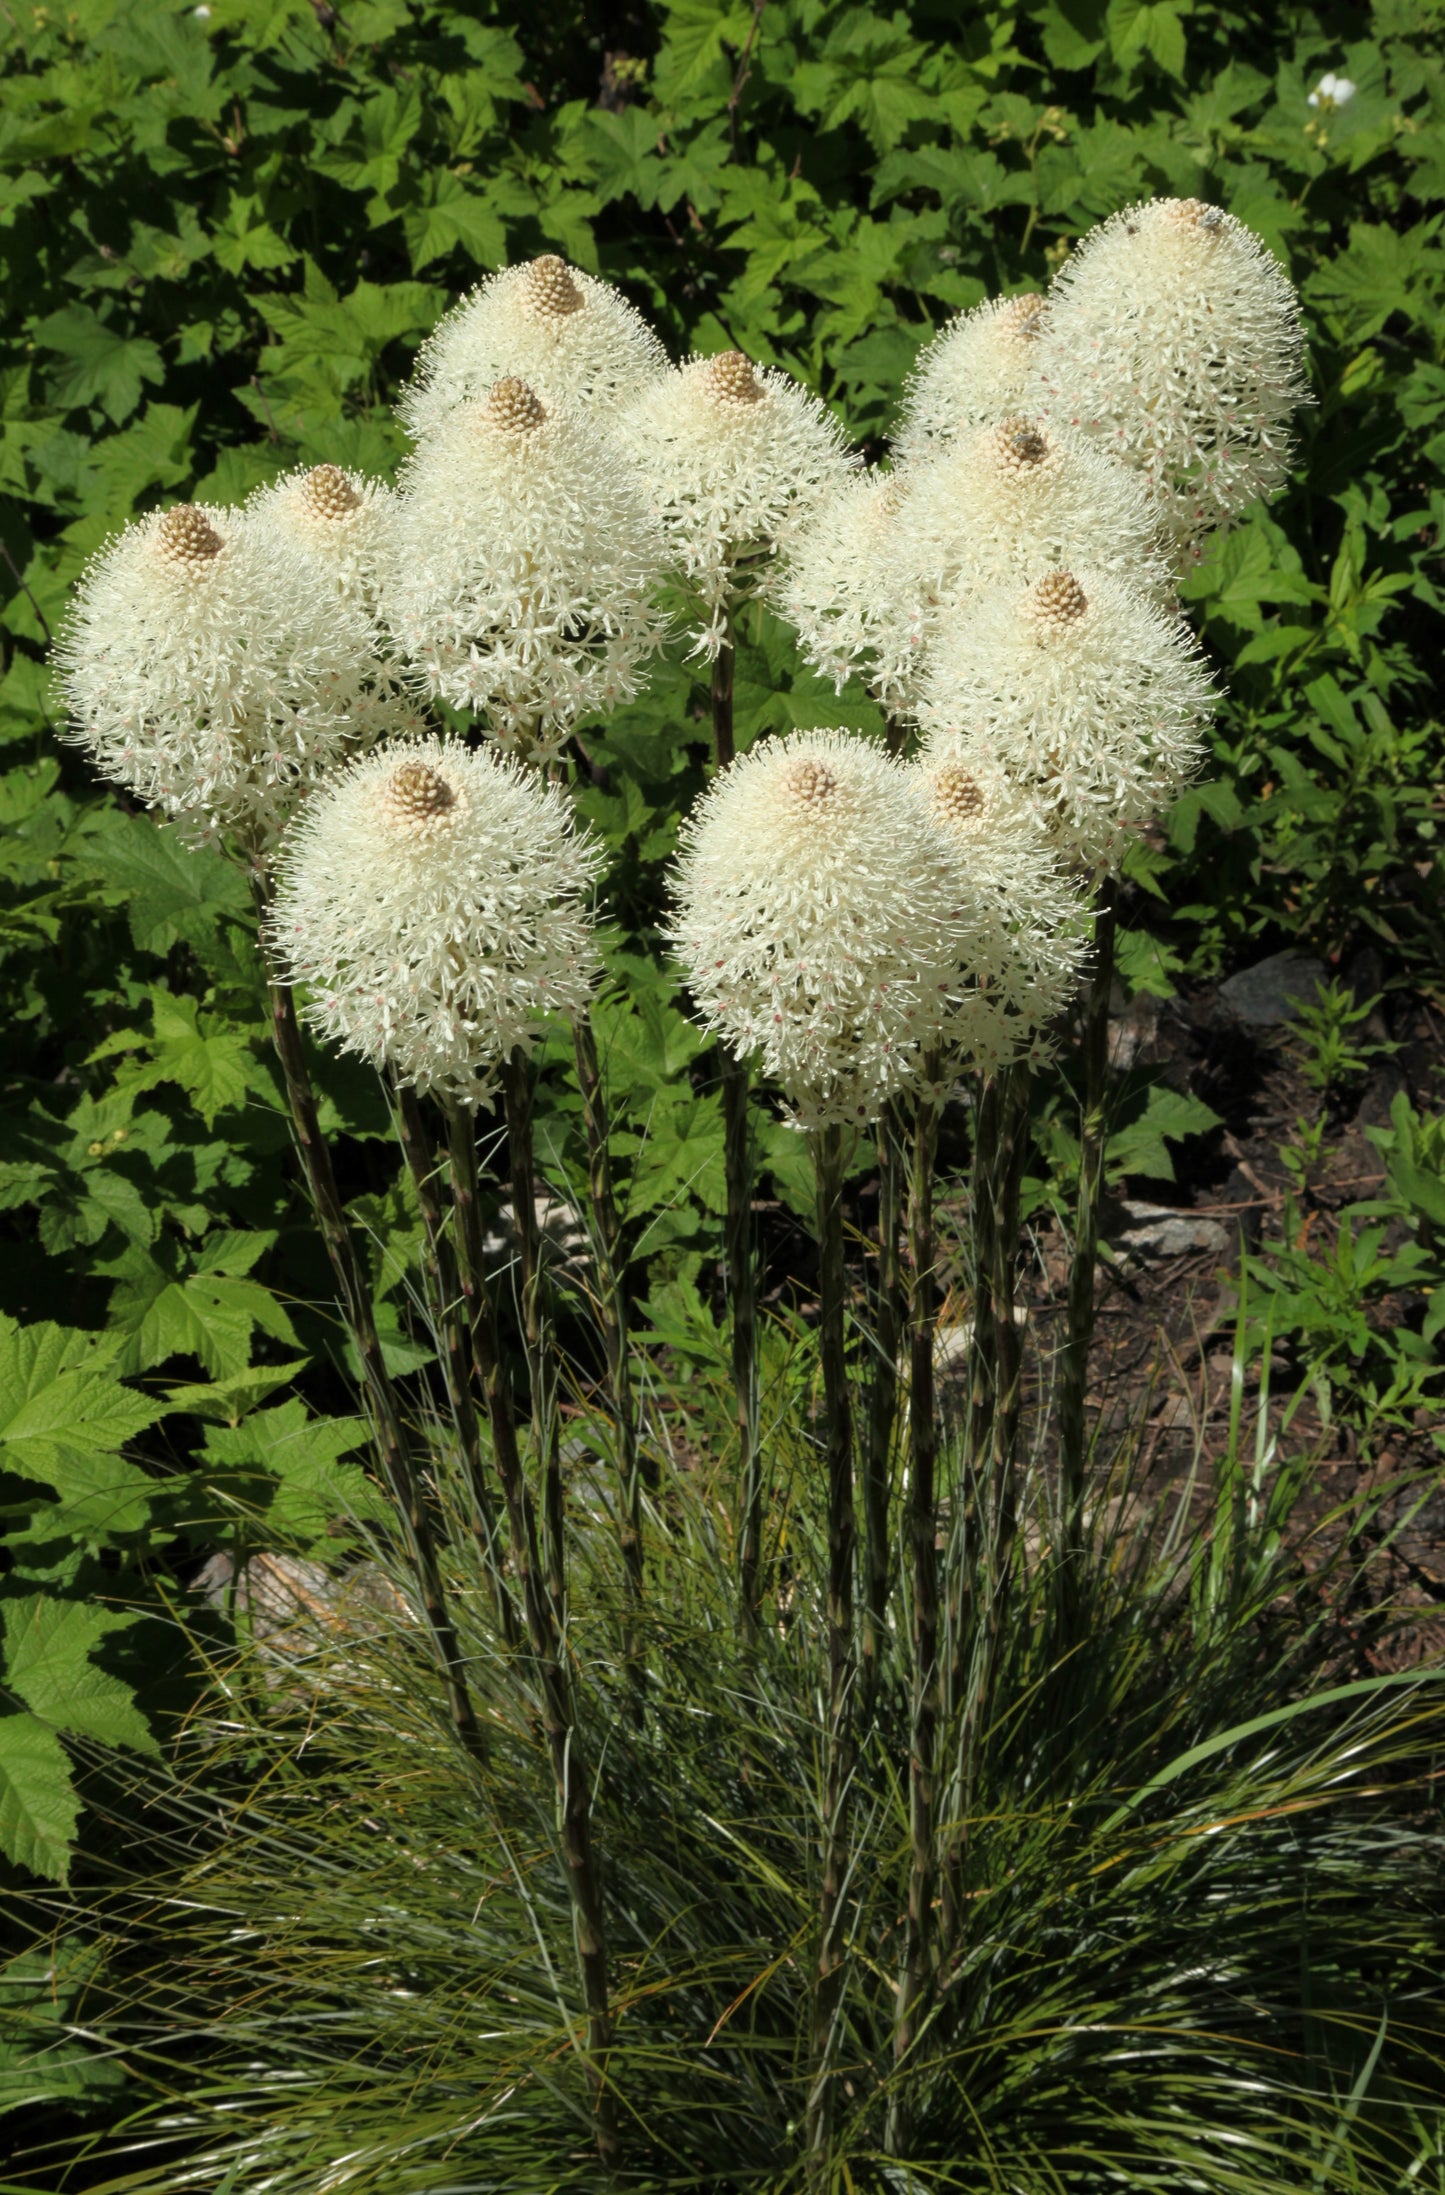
column 548, row 289
column 185, row 536
column 511, row 408
column 328, row 494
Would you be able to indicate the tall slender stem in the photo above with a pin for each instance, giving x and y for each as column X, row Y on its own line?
column 569, row 1767
column 453, row 1329
column 915, row 1977
column 1004, row 1246
column 398, row 1465
column 612, row 1314
column 888, row 1323
column 723, row 749
column 742, row 1302
column 989, row 1525
column 969, row 1528
column 829, row 1166
column 1074, row 1367
column 536, row 1320
column 738, row 1229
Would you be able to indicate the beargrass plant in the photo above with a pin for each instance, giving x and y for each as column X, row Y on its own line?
column 1195, row 1931
column 617, row 1813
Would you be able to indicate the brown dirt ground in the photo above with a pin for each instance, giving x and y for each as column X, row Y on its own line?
column 1166, row 1319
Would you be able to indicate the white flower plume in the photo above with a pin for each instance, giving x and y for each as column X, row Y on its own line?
column 337, row 518
column 208, row 673
column 1172, row 339
column 432, row 909
column 733, row 458
column 1091, row 698
column 1026, row 933
column 816, row 915
column 1018, row 500
column 973, row 372
column 572, row 338
column 844, row 585
column 520, row 568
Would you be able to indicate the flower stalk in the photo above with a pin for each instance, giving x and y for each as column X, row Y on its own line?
column 571, row 1776
column 1079, row 1334
column 393, row 1446
column 889, row 1321
column 612, row 1315
column 915, row 1976
column 534, row 1312
column 829, row 1160
column 449, row 1313
column 738, row 1248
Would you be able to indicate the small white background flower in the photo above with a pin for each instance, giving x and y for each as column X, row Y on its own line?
column 1333, row 91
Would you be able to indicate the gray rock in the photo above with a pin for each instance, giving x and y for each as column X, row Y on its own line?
column 1273, row 990
column 292, row 1604
column 1134, row 1030
column 1153, row 1231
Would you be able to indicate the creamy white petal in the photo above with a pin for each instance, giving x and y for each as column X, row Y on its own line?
column 210, row 673
column 732, row 459
column 573, row 338
column 519, row 569
column 432, row 908
column 1172, row 339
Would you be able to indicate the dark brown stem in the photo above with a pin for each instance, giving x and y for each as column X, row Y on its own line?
column 829, row 1167
column 1008, row 1399
column 742, row 1301
column 895, row 736
column 399, row 1469
column 454, row 1332
column 888, row 1323
column 972, row 1492
column 915, row 1978
column 723, row 749
column 612, row 1311
column 990, row 1524
column 536, row 1322
column 738, row 1242
column 569, row 1767
column 1079, row 1334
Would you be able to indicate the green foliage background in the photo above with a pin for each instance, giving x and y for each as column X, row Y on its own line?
column 224, row 232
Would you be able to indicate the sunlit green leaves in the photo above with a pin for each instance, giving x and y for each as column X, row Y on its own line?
column 46, row 1645
column 102, row 364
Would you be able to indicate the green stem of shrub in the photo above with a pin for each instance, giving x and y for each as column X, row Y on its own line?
column 450, row 1317
column 915, row 1976
column 829, row 1166
column 398, row 1465
column 1079, row 1333
column 569, row 1767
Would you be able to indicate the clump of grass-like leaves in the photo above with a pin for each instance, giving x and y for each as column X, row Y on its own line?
column 1190, row 1931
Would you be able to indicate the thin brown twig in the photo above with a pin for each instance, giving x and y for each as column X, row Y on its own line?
column 744, row 68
